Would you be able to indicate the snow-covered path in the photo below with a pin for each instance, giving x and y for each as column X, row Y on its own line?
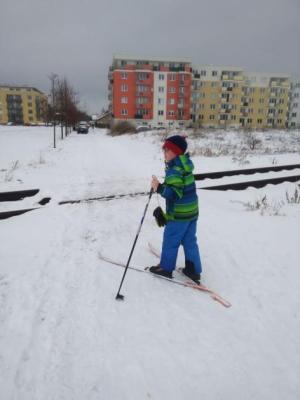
column 64, row 336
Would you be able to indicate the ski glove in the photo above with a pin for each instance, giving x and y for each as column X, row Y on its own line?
column 159, row 217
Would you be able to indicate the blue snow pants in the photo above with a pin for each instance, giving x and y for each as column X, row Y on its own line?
column 178, row 233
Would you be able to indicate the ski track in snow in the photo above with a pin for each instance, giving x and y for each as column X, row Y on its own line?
column 63, row 335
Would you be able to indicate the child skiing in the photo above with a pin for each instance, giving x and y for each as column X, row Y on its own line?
column 181, row 215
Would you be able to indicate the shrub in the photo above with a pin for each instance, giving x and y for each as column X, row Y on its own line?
column 293, row 198
column 122, row 127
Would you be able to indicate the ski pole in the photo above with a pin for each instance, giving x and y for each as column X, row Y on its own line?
column 120, row 296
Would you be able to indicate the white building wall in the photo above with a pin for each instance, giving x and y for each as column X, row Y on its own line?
column 159, row 98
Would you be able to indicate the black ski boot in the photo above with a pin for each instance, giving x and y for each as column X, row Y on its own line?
column 160, row 271
column 189, row 271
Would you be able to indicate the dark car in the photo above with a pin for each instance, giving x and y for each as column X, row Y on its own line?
column 82, row 127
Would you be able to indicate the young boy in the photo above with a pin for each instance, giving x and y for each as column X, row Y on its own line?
column 181, row 215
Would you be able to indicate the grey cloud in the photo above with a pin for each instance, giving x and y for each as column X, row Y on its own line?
column 77, row 39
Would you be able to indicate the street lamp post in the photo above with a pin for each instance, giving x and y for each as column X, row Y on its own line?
column 52, row 78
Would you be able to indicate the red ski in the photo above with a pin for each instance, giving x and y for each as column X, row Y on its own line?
column 191, row 285
column 195, row 285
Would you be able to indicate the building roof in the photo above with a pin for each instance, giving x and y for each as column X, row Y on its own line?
column 152, row 59
column 13, row 87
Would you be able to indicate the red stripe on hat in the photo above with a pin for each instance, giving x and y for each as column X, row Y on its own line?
column 171, row 146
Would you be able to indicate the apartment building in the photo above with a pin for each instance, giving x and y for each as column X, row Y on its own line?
column 22, row 105
column 294, row 105
column 229, row 97
column 268, row 99
column 153, row 91
column 216, row 96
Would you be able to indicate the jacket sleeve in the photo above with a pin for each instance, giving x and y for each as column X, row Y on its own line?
column 172, row 188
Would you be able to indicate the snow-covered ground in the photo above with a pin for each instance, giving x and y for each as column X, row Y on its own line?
column 62, row 333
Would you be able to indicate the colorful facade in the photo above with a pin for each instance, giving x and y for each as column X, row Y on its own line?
column 229, row 97
column 153, row 92
column 22, row 105
column 161, row 92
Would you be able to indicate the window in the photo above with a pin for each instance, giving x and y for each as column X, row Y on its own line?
column 29, row 104
column 161, row 77
column 29, row 111
column 124, row 88
column 171, row 113
column 171, row 101
column 172, row 89
column 214, row 84
column 124, row 111
column 124, row 75
column 203, row 73
column 211, row 117
column 160, row 112
column 294, row 115
column 142, row 76
column 259, row 121
column 214, row 73
column 213, row 106
column 180, row 114
column 141, row 100
column 142, row 88
column 261, row 101
column 181, row 89
column 124, row 100
column 161, row 101
column 161, row 89
column 142, row 111
column 172, row 77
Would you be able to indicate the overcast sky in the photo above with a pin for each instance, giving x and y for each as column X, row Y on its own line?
column 77, row 38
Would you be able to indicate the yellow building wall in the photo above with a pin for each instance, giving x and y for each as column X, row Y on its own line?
column 29, row 98
column 249, row 105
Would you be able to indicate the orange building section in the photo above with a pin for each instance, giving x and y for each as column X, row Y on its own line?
column 178, row 96
column 123, row 94
column 135, row 86
column 133, row 94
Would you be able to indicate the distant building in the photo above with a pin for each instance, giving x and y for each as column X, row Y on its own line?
column 171, row 92
column 294, row 106
column 267, row 96
column 230, row 97
column 216, row 96
column 22, row 105
column 152, row 91
column 103, row 120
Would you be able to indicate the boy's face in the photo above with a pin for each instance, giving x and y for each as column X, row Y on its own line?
column 169, row 154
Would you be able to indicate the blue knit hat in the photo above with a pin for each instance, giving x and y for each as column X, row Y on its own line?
column 176, row 143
